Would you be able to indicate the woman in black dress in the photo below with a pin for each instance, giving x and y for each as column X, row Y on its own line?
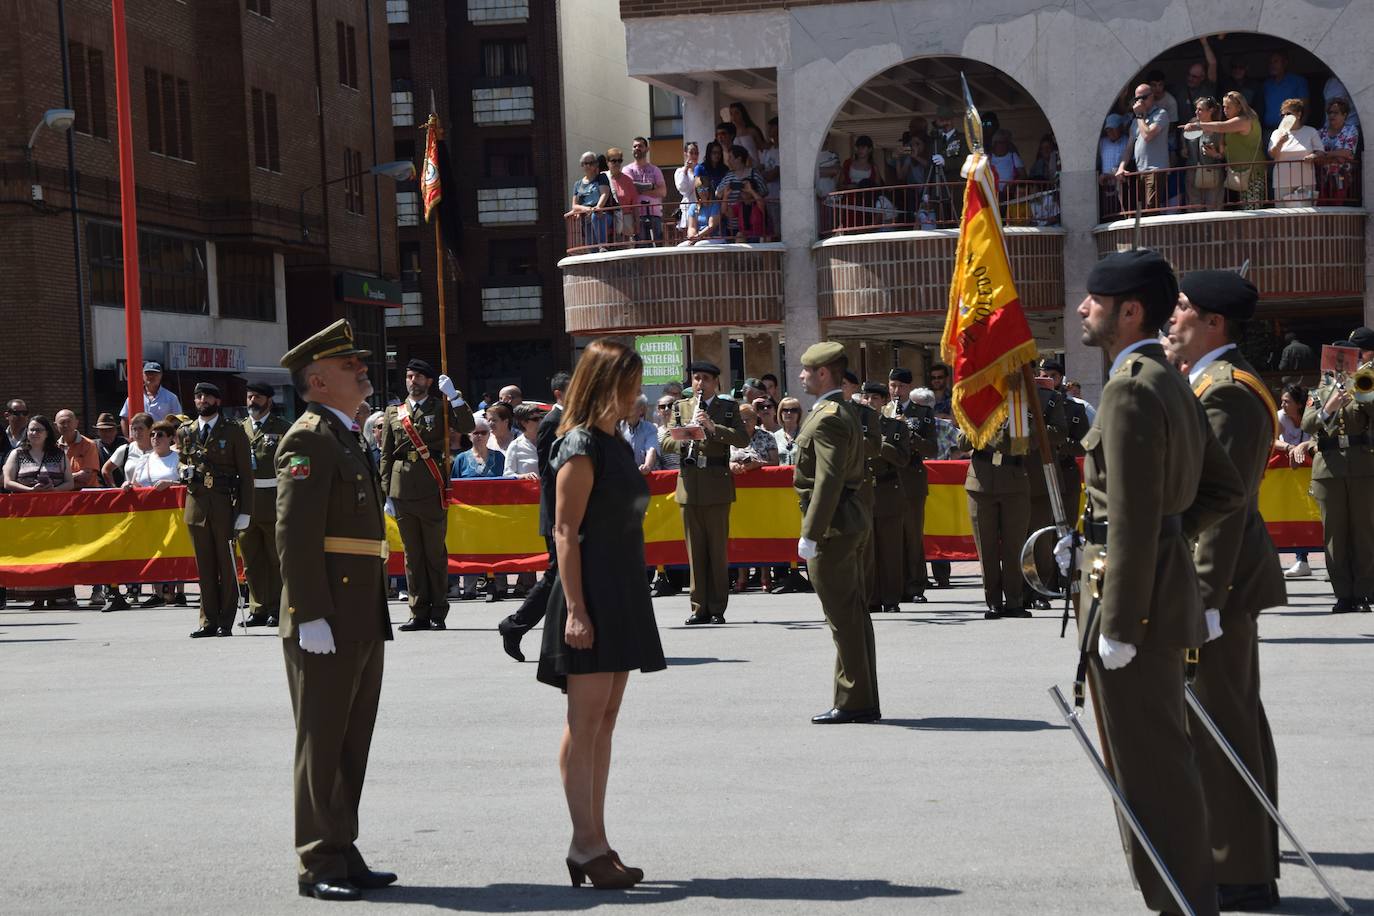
column 601, row 623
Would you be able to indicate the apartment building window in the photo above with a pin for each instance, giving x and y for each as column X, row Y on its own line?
column 171, row 270
column 397, row 12
column 266, row 139
column 353, row 184
column 402, row 108
column 405, row 150
column 88, row 89
column 247, row 282
column 508, row 57
column 262, row 7
column 509, row 158
column 512, row 258
column 665, row 113
column 348, row 55
column 169, row 114
column 410, row 267
column 407, row 208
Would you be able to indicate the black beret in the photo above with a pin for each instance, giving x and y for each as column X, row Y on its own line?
column 1222, row 291
column 422, row 367
column 1363, row 338
column 1052, row 365
column 702, row 365
column 208, row 388
column 261, row 388
column 1134, row 271
column 875, row 388
column 850, row 377
column 900, row 374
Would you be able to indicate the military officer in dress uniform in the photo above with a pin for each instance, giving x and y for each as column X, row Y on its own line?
column 258, row 543
column 216, row 466
column 331, row 537
column 1239, row 578
column 705, row 488
column 999, row 508
column 1343, row 482
column 886, row 589
column 414, row 474
column 1152, row 457
column 924, row 441
column 827, row 477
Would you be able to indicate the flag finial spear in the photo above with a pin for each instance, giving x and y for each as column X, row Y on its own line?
column 973, row 122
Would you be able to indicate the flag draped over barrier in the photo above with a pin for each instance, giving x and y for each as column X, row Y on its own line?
column 102, row 536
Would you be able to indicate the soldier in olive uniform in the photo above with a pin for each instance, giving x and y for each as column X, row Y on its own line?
column 827, row 477
column 999, row 508
column 1152, row 458
column 1343, row 482
column 870, row 423
column 1053, row 407
column 924, row 441
column 331, row 537
column 415, row 472
column 705, row 488
column 1070, row 480
column 1239, row 578
column 885, row 590
column 258, row 543
column 217, row 468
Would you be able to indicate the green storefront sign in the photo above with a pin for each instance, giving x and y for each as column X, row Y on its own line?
column 665, row 357
column 369, row 290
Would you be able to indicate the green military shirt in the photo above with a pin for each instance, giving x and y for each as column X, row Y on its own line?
column 215, row 465
column 708, row 481
column 262, row 452
column 894, row 456
column 1005, row 473
column 405, row 473
column 830, row 470
column 1355, row 421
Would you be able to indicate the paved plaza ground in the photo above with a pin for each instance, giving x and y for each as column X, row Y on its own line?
column 144, row 772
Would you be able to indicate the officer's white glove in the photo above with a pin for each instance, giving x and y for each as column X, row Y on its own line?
column 316, row 637
column 446, row 386
column 390, row 507
column 241, row 523
column 1114, row 654
column 1063, row 552
column 937, row 159
column 806, row 548
column 1213, row 617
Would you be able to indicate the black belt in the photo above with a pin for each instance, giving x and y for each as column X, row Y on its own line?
column 1096, row 532
column 985, row 454
column 1327, row 443
column 704, row 462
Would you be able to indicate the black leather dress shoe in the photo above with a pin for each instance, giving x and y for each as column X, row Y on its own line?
column 696, row 619
column 1247, row 897
column 372, row 880
column 272, row 621
column 717, row 618
column 1345, row 606
column 330, row 890
column 225, row 631
column 438, row 625
column 891, row 609
column 510, row 641
column 153, row 601
column 844, row 716
column 919, row 599
column 204, row 632
column 414, row 623
column 1014, row 612
column 117, row 603
column 256, row 620
column 993, row 613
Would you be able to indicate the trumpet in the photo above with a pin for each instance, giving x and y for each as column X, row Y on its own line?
column 1362, row 383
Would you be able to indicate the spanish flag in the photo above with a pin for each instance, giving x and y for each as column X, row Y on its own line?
column 987, row 339
column 431, row 187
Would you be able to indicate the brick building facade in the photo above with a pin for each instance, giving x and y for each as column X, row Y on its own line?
column 241, row 111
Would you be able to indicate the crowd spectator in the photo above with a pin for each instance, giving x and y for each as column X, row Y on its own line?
column 1294, row 152
column 1162, row 96
column 743, row 193
column 522, row 458
column 663, row 418
column 1239, row 80
column 1149, row 145
column 16, row 427
column 500, row 415
column 373, row 427
column 1298, row 446
column 158, row 402
column 749, row 389
column 626, row 195
column 703, row 216
column 789, row 416
column 685, row 180
column 1207, row 158
column 770, row 386
column 1340, row 138
column 1243, row 142
column 1046, row 164
column 648, row 181
column 861, row 169
column 83, row 455
column 642, row 436
column 762, row 451
column 911, row 165
column 591, row 200
column 767, row 410
column 1075, row 392
column 725, row 136
column 107, row 436
column 770, row 167
column 512, row 396
column 747, row 133
column 939, row 387
column 124, row 460
column 155, row 466
column 1201, row 79
column 39, row 464
column 1005, row 160
column 827, row 173
column 1296, row 356
column 1335, row 89
column 480, row 460
column 1112, row 147
column 712, row 168
column 1280, row 87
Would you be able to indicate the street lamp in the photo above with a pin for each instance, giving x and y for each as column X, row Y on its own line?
column 398, row 170
column 55, row 118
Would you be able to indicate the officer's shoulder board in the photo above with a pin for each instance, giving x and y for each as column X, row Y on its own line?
column 827, row 407
column 308, row 420
column 1131, row 365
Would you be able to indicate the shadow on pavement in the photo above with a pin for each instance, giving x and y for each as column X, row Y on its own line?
column 974, row 724
column 51, row 623
column 5, row 642
column 505, row 898
column 1322, row 640
column 707, row 660
column 1359, row 861
column 1320, row 904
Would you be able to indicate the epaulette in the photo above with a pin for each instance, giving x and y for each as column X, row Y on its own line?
column 1131, row 366
column 308, row 420
column 827, row 406
column 1261, row 391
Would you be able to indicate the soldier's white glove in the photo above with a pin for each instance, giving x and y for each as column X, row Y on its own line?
column 1063, row 551
column 241, row 523
column 806, row 548
column 390, row 507
column 1213, row 617
column 1114, row 654
column 316, row 637
column 446, row 386
column 937, row 159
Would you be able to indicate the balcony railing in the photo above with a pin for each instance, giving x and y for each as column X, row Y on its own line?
column 656, row 226
column 937, row 205
column 1320, row 181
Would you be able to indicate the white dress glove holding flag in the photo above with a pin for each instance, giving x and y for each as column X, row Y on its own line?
column 446, row 386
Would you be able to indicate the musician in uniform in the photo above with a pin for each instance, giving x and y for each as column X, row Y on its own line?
column 885, row 591
column 1239, row 578
column 414, row 476
column 1151, row 459
column 1343, row 481
column 827, row 477
column 705, row 488
column 331, row 537
column 258, row 542
column 216, row 466
column 870, row 424
column 1054, row 409
column 923, row 438
column 999, row 508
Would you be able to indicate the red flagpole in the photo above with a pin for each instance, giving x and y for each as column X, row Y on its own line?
column 128, row 213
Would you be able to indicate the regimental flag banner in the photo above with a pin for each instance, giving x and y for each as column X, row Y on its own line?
column 987, row 339
column 431, row 187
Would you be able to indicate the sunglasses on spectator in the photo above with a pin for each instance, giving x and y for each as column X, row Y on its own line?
column 1143, row 98
column 158, row 434
column 791, row 410
column 616, row 159
column 758, row 406
column 665, row 406
column 17, row 413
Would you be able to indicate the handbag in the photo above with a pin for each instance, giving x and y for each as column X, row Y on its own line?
column 1206, row 178
column 1237, row 179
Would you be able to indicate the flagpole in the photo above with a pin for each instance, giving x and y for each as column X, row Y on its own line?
column 435, row 133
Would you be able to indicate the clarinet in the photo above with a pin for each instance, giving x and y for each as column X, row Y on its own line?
column 690, row 455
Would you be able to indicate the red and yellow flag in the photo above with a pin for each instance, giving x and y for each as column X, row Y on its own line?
column 987, row 339
column 431, row 188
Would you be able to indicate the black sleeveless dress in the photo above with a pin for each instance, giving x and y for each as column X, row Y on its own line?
column 614, row 585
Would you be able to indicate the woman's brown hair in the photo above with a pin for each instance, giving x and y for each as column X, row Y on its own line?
column 605, row 377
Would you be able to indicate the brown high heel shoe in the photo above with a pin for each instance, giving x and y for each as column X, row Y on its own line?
column 636, row 873
column 602, row 871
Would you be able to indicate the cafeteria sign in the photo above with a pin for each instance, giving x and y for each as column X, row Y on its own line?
column 664, row 356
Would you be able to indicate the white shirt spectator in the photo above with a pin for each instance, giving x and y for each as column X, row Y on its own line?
column 1006, row 166
column 127, row 458
column 768, row 159
column 747, row 141
column 685, row 180
column 521, row 457
column 158, row 406
column 151, row 468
